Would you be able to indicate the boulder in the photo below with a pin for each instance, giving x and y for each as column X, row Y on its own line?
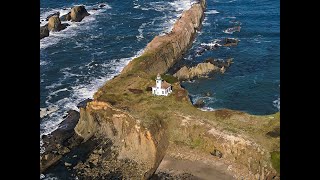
column 78, row 13
column 53, row 14
column 66, row 17
column 44, row 31
column 199, row 103
column 54, row 24
column 102, row 5
column 217, row 153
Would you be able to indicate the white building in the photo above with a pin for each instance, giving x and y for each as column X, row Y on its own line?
column 162, row 88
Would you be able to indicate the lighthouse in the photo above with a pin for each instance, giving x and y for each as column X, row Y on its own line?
column 162, row 87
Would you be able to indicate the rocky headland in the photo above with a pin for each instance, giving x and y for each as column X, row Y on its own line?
column 126, row 134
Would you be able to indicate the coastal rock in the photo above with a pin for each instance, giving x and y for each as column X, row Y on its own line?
column 230, row 42
column 131, row 142
column 220, row 63
column 164, row 51
column 54, row 24
column 83, row 103
column 60, row 141
column 53, row 14
column 66, row 17
column 200, row 70
column 102, row 5
column 44, row 31
column 78, row 13
column 199, row 103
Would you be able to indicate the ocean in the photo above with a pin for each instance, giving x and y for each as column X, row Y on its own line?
column 76, row 61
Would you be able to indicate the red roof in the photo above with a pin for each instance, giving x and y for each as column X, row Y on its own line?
column 165, row 85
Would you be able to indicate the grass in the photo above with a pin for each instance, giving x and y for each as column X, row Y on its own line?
column 275, row 160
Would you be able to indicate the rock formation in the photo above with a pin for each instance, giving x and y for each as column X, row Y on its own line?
column 203, row 69
column 53, row 14
column 200, row 70
column 145, row 147
column 66, row 17
column 164, row 51
column 78, row 13
column 44, row 31
column 54, row 24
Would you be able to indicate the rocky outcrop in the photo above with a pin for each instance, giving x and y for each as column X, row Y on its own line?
column 53, row 14
column 131, row 142
column 164, row 51
column 78, row 13
column 202, row 69
column 44, row 31
column 60, row 141
column 66, row 17
column 54, row 24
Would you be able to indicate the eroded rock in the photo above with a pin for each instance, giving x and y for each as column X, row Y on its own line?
column 78, row 13
column 44, row 31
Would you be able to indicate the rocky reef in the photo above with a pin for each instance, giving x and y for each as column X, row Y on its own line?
column 203, row 69
column 76, row 14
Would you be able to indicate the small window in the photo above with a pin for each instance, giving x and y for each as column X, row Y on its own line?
column 162, row 92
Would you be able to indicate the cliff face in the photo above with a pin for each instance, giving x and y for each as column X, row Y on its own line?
column 130, row 140
column 163, row 51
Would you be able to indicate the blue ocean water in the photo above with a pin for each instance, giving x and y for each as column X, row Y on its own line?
column 252, row 83
column 75, row 62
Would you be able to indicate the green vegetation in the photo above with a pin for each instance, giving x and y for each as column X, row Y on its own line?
column 275, row 160
column 167, row 77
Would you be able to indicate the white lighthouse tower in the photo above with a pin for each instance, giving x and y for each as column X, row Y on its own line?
column 162, row 88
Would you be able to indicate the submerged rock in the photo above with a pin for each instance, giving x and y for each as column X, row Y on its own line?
column 199, row 103
column 78, row 13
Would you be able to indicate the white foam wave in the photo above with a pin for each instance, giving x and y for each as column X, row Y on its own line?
column 80, row 93
column 42, row 63
column 207, row 109
column 276, row 103
column 213, row 11
column 140, row 30
column 72, row 29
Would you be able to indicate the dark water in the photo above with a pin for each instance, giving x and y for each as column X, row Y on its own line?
column 252, row 83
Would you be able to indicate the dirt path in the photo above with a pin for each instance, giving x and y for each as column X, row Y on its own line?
column 187, row 169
